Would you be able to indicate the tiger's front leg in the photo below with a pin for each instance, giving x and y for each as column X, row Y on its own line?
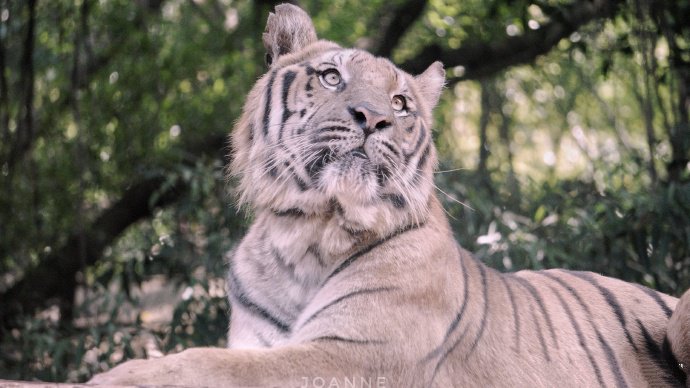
column 305, row 365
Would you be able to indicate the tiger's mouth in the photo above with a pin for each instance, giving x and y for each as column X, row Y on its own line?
column 353, row 164
column 355, row 172
column 359, row 152
column 327, row 157
column 321, row 160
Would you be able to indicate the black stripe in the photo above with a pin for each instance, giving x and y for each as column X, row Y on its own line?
column 335, row 128
column 337, row 208
column 613, row 361
column 580, row 336
column 240, row 295
column 458, row 317
column 284, row 265
column 314, row 250
column 272, row 171
column 301, row 184
column 271, row 167
column 331, row 64
column 308, row 119
column 540, row 302
column 310, row 71
column 423, row 158
column 321, row 159
column 421, row 163
column 391, row 148
column 263, row 341
column 542, row 341
column 657, row 298
column 443, row 357
column 329, row 137
column 291, row 212
column 516, row 316
column 268, row 97
column 418, row 145
column 482, row 326
column 282, row 50
column 369, row 248
column 347, row 296
column 485, row 313
column 382, row 175
column 672, row 362
column 288, row 79
column 348, row 340
column 453, row 324
column 539, row 332
column 397, row 200
column 352, row 232
column 661, row 359
column 611, row 300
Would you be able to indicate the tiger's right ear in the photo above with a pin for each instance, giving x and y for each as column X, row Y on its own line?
column 431, row 83
column 289, row 29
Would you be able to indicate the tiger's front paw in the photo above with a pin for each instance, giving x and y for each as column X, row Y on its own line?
column 137, row 372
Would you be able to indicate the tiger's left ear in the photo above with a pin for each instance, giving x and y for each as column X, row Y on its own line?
column 431, row 83
column 289, row 29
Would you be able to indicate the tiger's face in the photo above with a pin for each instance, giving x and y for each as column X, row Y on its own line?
column 338, row 130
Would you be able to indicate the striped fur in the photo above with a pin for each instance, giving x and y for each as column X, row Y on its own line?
column 350, row 276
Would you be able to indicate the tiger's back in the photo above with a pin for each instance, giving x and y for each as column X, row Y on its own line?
column 574, row 328
column 477, row 326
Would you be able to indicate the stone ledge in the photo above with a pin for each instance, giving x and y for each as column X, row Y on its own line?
column 40, row 384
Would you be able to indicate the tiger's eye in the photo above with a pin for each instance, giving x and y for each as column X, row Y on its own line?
column 331, row 77
column 398, row 103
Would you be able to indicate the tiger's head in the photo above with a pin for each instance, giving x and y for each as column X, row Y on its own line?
column 333, row 130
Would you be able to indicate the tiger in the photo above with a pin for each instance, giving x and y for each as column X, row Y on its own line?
column 349, row 274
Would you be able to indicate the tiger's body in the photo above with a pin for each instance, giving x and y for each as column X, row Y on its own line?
column 350, row 276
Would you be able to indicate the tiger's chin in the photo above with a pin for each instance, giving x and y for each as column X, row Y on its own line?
column 350, row 177
column 360, row 198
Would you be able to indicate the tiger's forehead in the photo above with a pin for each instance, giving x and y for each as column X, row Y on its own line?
column 372, row 70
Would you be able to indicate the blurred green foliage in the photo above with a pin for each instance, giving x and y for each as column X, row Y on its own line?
column 546, row 165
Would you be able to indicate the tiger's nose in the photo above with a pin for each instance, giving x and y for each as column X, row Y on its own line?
column 369, row 119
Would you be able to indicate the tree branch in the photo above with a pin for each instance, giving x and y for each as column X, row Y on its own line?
column 481, row 59
column 93, row 64
column 25, row 128
column 395, row 26
column 53, row 281
column 672, row 21
column 4, row 93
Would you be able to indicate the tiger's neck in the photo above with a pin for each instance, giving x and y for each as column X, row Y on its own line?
column 308, row 246
column 286, row 257
column 329, row 236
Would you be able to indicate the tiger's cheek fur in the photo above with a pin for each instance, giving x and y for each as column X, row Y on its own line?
column 274, row 129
